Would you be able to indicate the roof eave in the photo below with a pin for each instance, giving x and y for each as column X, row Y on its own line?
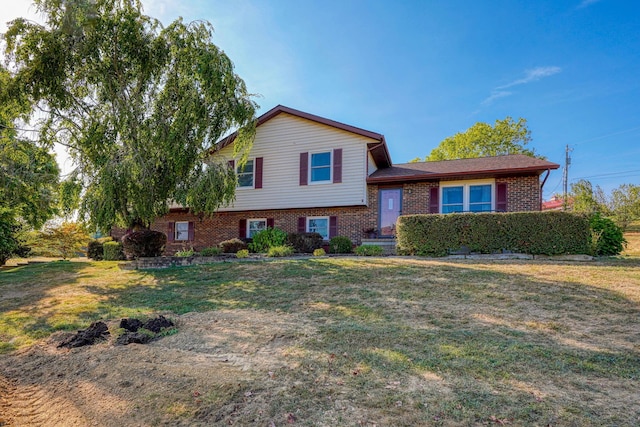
column 470, row 174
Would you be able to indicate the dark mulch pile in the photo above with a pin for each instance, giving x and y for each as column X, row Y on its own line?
column 97, row 331
column 135, row 332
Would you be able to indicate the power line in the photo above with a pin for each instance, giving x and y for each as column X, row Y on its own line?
column 607, row 135
column 612, row 174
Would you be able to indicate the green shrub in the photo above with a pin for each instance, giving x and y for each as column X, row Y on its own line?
column 369, row 250
column 319, row 252
column 606, row 236
column 143, row 243
column 268, row 238
column 305, row 243
column 232, row 246
column 94, row 248
column 184, row 253
column 280, row 251
column 112, row 251
column 242, row 253
column 549, row 233
column 212, row 251
column 340, row 245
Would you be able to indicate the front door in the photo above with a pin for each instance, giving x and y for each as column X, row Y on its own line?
column 389, row 210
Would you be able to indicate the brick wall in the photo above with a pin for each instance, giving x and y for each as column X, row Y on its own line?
column 523, row 194
column 225, row 225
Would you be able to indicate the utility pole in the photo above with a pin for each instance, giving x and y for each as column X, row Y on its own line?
column 565, row 178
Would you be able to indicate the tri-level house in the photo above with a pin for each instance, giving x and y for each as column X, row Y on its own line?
column 310, row 174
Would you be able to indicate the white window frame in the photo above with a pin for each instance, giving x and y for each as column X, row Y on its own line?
column 253, row 175
column 309, row 218
column 250, row 220
column 324, row 181
column 466, row 192
column 176, row 231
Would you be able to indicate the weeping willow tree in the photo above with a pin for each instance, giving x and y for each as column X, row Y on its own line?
column 138, row 105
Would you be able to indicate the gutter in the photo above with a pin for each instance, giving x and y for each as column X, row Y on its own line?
column 542, row 185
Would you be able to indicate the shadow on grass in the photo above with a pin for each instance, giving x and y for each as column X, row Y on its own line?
column 402, row 321
column 447, row 340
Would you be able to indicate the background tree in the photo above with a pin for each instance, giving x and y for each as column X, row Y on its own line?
column 587, row 199
column 625, row 204
column 66, row 240
column 139, row 106
column 480, row 140
column 28, row 172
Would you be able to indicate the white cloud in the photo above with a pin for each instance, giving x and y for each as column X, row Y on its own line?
column 586, row 3
column 533, row 75
column 496, row 95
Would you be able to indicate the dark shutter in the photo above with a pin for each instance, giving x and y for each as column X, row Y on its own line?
column 337, row 165
column 171, row 231
column 501, row 197
column 302, row 224
column 333, row 226
column 304, row 168
column 192, row 231
column 270, row 223
column 232, row 164
column 242, row 229
column 434, row 204
column 258, row 183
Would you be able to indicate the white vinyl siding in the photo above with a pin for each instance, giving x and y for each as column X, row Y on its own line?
column 280, row 141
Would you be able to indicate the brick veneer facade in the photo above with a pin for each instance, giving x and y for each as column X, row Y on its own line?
column 523, row 194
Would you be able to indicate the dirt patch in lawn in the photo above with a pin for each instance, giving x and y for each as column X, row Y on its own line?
column 189, row 377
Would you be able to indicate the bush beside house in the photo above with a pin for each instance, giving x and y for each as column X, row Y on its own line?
column 548, row 233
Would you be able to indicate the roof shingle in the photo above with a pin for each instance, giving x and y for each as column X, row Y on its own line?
column 479, row 167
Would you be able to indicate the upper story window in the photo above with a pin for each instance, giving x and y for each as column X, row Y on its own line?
column 320, row 167
column 245, row 175
column 467, row 197
column 182, row 230
column 319, row 225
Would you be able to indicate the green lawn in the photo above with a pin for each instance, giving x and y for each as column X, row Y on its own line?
column 403, row 341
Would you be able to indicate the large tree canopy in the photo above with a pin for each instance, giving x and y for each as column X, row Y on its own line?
column 28, row 172
column 481, row 140
column 139, row 106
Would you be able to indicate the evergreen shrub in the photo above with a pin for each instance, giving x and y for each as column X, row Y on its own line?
column 112, row 251
column 548, row 233
column 340, row 245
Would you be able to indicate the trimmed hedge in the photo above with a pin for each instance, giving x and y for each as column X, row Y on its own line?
column 112, row 251
column 94, row 248
column 548, row 233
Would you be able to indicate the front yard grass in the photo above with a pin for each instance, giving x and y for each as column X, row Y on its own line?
column 398, row 341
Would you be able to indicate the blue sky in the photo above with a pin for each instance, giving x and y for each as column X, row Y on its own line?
column 419, row 71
